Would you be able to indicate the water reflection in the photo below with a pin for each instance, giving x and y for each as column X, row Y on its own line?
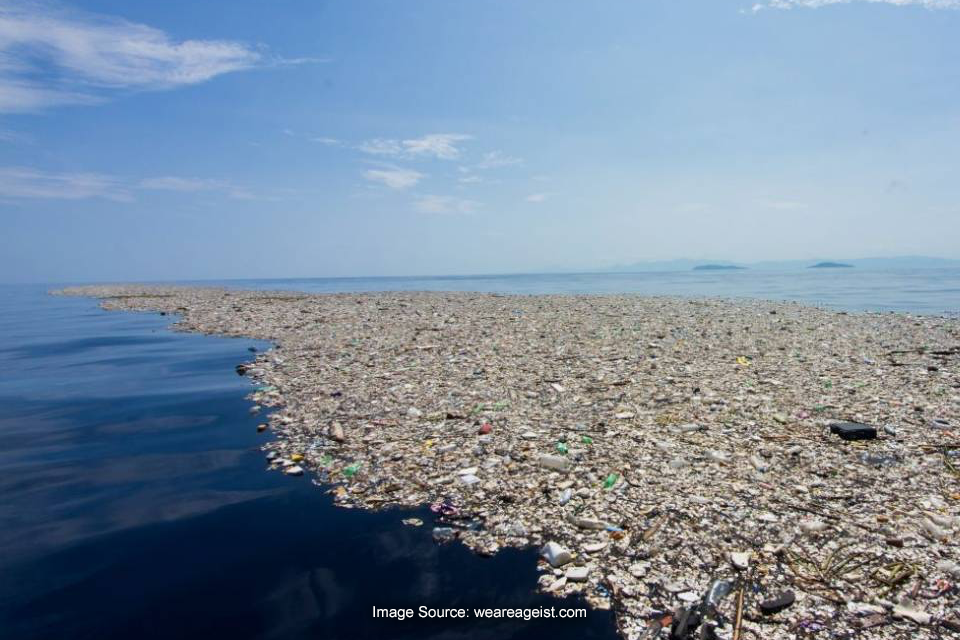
column 135, row 503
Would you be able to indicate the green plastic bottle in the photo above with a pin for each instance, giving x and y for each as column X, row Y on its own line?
column 610, row 481
column 562, row 447
column 351, row 470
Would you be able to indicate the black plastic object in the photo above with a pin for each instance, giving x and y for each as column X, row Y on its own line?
column 853, row 431
column 778, row 604
column 685, row 622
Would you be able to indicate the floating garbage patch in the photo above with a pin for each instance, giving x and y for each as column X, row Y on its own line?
column 704, row 468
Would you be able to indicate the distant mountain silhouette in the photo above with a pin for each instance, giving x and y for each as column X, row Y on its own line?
column 717, row 267
column 830, row 265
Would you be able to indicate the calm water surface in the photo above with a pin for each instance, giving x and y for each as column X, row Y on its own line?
column 134, row 503
column 134, row 500
column 929, row 291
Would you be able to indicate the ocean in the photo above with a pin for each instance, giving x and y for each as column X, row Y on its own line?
column 924, row 291
column 134, row 499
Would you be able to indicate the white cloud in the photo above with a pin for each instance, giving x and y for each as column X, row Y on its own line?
column 381, row 147
column 27, row 183
column 537, row 197
column 394, row 177
column 20, row 182
column 490, row 160
column 20, row 96
column 496, row 159
column 813, row 4
column 193, row 185
column 442, row 146
column 444, row 205
column 51, row 56
column 438, row 145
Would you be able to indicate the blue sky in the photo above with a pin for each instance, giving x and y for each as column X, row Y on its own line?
column 380, row 137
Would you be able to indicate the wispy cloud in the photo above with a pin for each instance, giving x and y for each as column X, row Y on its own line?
column 495, row 160
column 445, row 205
column 394, row 177
column 813, row 4
column 54, row 56
column 490, row 160
column 21, row 182
column 35, row 184
column 437, row 145
column 537, row 197
column 7, row 135
column 442, row 146
column 381, row 147
column 194, row 185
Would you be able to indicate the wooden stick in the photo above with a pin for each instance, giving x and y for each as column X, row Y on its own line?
column 739, row 619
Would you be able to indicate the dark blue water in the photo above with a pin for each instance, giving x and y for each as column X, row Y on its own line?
column 134, row 503
column 925, row 291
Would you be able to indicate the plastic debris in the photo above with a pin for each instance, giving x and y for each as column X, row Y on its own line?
column 554, row 462
column 556, row 555
column 740, row 560
column 577, row 574
column 907, row 609
column 813, row 526
column 853, row 431
column 777, row 604
column 413, row 380
column 443, row 534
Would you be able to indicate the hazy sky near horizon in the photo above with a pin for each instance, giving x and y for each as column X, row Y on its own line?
column 182, row 140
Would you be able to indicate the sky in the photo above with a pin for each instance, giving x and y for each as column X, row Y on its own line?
column 243, row 139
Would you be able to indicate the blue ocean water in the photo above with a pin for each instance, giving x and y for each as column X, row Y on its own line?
column 926, row 291
column 134, row 499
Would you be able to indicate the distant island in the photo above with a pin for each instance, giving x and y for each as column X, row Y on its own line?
column 717, row 267
column 838, row 262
